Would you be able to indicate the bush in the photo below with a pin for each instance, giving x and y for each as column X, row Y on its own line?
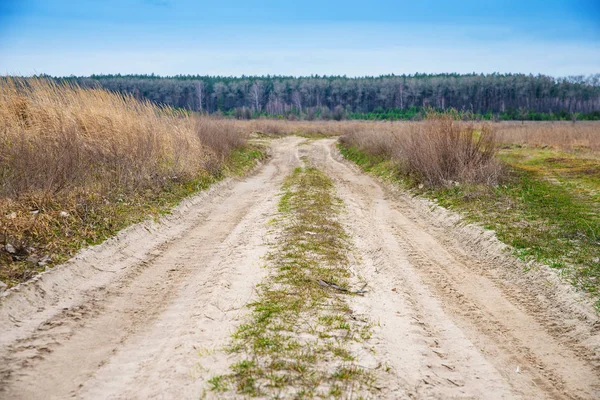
column 440, row 151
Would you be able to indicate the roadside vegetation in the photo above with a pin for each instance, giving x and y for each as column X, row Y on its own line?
column 297, row 341
column 535, row 185
column 78, row 165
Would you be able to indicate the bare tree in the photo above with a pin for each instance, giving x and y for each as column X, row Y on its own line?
column 200, row 89
column 297, row 100
column 256, row 94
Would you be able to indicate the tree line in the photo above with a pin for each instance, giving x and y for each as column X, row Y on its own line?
column 510, row 96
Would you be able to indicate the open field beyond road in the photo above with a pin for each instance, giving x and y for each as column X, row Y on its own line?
column 308, row 278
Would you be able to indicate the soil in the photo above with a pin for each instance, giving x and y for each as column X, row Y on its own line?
column 147, row 313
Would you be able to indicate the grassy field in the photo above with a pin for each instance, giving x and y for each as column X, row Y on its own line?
column 545, row 204
column 77, row 166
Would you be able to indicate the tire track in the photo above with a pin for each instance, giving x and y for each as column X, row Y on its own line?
column 135, row 335
column 437, row 273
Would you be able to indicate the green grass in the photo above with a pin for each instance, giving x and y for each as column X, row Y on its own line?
column 92, row 219
column 580, row 170
column 548, row 210
column 295, row 342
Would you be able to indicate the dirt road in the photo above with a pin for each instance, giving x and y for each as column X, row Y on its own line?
column 147, row 315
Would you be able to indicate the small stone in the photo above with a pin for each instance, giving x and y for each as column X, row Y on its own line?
column 45, row 260
column 64, row 214
column 10, row 248
column 12, row 215
column 35, row 212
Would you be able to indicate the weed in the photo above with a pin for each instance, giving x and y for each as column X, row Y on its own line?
column 218, row 383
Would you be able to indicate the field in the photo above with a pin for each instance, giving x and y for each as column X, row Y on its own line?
column 153, row 252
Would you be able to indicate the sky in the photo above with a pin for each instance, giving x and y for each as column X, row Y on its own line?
column 307, row 37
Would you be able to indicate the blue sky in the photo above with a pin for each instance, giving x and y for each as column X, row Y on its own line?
column 354, row 38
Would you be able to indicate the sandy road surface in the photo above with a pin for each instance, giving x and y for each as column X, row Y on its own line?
column 146, row 316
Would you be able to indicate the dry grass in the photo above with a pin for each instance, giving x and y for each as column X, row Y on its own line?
column 77, row 164
column 56, row 138
column 304, row 128
column 583, row 135
column 440, row 151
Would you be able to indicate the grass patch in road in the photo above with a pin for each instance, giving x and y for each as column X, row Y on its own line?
column 547, row 210
column 62, row 226
column 295, row 343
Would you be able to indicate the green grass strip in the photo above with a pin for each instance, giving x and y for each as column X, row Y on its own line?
column 296, row 342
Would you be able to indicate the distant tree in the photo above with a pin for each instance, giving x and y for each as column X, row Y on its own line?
column 339, row 113
column 510, row 96
column 256, row 94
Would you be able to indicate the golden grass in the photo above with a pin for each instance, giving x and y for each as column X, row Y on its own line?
column 584, row 135
column 77, row 165
column 57, row 137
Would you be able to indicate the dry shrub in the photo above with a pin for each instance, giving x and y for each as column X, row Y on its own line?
column 440, row 151
column 443, row 151
column 583, row 135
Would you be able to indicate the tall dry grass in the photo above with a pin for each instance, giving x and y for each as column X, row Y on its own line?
column 57, row 137
column 440, row 151
column 76, row 165
column 583, row 135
